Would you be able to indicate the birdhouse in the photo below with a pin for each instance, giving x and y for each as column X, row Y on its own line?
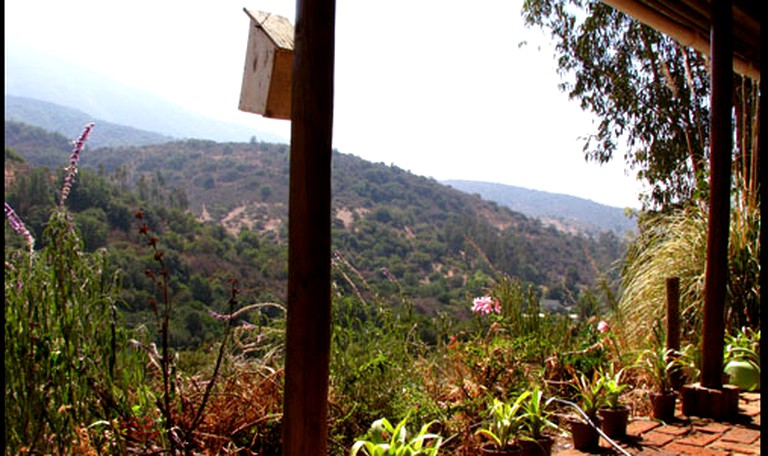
column 266, row 85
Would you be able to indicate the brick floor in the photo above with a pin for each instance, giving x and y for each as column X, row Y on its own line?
column 737, row 448
column 656, row 438
column 698, row 438
column 691, row 436
column 740, row 435
column 674, row 430
column 715, row 428
column 695, row 450
column 637, row 427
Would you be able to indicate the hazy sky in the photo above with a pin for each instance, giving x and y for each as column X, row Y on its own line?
column 441, row 88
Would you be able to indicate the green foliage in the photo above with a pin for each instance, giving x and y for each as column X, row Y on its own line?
column 535, row 417
column 659, row 362
column 374, row 354
column 93, row 227
column 613, row 386
column 68, row 364
column 384, row 439
column 11, row 156
column 430, row 237
column 648, row 91
column 519, row 301
column 404, row 344
column 645, row 88
column 590, row 391
column 504, row 421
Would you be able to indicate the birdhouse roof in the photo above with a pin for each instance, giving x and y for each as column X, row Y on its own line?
column 277, row 28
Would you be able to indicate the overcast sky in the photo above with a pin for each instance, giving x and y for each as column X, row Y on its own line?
column 441, row 88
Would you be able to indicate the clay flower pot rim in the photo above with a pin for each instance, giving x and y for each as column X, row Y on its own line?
column 492, row 449
column 578, row 419
column 663, row 393
column 617, row 408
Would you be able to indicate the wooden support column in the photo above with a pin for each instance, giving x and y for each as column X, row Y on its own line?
column 673, row 325
column 673, row 313
column 305, row 406
column 721, row 63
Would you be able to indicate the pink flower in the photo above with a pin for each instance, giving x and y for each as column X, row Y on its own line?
column 603, row 327
column 18, row 226
column 71, row 170
column 486, row 305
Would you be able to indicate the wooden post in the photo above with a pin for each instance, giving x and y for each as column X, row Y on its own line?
column 673, row 313
column 720, row 144
column 673, row 325
column 305, row 405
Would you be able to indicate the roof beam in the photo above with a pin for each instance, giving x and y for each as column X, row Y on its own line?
column 687, row 36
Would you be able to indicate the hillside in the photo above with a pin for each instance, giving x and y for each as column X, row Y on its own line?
column 568, row 212
column 432, row 239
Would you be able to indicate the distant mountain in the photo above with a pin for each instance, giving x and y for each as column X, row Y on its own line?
column 69, row 123
column 31, row 74
column 569, row 213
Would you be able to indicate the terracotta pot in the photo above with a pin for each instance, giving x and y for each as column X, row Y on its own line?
column 539, row 447
column 584, row 436
column 490, row 449
column 663, row 405
column 614, row 421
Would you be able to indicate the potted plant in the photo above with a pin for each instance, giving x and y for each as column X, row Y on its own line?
column 503, row 427
column 590, row 393
column 660, row 363
column 534, row 420
column 613, row 414
column 384, row 439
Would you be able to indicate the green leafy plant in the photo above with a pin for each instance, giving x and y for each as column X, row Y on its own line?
column 659, row 363
column 613, row 386
column 70, row 375
column 535, row 416
column 385, row 439
column 590, row 391
column 505, row 421
column 743, row 344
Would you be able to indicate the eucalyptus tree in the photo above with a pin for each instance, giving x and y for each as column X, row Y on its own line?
column 650, row 94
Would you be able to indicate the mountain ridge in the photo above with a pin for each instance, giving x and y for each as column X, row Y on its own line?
column 69, row 122
column 129, row 116
column 567, row 212
column 29, row 74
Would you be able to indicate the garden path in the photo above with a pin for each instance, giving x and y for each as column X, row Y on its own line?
column 687, row 435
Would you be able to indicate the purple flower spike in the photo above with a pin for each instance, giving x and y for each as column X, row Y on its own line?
column 18, row 226
column 71, row 170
